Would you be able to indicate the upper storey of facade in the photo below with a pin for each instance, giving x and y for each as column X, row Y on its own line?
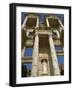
column 32, row 25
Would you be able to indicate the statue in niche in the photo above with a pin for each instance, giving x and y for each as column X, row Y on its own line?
column 44, row 66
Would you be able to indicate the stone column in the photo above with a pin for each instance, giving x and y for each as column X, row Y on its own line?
column 40, row 68
column 35, row 57
column 53, row 56
column 61, row 24
column 47, row 22
column 37, row 24
column 48, row 68
column 23, row 51
column 23, row 25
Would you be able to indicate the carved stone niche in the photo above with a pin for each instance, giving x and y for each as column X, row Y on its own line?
column 44, row 65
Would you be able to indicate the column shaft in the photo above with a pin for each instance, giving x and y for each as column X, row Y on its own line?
column 48, row 69
column 47, row 22
column 22, row 52
column 54, row 57
column 24, row 22
column 37, row 24
column 61, row 24
column 35, row 57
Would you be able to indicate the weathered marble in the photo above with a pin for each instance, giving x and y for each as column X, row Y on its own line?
column 54, row 57
column 35, row 56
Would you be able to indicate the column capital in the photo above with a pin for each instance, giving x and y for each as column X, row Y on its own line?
column 36, row 33
column 50, row 35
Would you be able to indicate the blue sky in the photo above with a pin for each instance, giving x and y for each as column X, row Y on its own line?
column 28, row 52
column 60, row 59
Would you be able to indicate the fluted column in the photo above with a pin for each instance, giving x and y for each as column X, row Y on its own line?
column 53, row 56
column 35, row 57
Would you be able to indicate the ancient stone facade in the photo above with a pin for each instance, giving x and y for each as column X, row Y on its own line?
column 40, row 39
